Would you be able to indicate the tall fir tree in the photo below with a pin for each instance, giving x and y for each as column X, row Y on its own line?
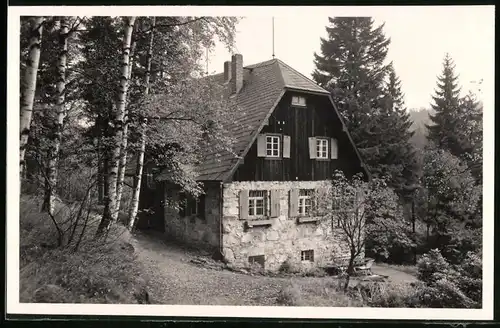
column 445, row 120
column 403, row 170
column 352, row 66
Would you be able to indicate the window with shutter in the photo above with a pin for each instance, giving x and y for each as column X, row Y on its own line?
column 257, row 204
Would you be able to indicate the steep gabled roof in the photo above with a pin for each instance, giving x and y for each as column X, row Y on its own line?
column 264, row 84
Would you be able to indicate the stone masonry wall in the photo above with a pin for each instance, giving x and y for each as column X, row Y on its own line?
column 285, row 238
column 194, row 231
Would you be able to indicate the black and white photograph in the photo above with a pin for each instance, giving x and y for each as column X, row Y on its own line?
column 272, row 162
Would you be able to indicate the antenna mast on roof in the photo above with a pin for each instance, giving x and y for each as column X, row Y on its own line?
column 273, row 37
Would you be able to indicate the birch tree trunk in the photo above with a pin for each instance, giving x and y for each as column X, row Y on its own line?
column 134, row 204
column 28, row 86
column 110, row 214
column 124, row 143
column 56, row 133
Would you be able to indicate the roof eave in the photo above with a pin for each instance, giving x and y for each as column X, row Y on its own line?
column 314, row 92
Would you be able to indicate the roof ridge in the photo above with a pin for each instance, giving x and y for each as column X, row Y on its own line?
column 293, row 69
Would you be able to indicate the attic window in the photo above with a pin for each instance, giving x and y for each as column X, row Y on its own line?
column 298, row 101
column 273, row 146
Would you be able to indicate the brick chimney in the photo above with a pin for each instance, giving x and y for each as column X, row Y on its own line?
column 236, row 73
column 227, row 71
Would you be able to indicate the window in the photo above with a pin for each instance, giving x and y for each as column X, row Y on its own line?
column 192, row 206
column 298, row 101
column 257, row 203
column 273, row 146
column 150, row 177
column 257, row 259
column 307, row 255
column 305, row 202
column 321, row 148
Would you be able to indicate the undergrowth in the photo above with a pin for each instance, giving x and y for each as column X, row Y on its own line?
column 95, row 272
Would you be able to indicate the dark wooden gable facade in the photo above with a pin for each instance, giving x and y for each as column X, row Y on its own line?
column 296, row 125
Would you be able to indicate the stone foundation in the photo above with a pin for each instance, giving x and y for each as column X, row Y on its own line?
column 283, row 238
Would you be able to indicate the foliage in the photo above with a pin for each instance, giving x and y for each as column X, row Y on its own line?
column 451, row 285
column 452, row 203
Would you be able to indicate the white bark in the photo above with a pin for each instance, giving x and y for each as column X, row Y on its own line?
column 29, row 86
column 123, row 147
column 134, row 204
column 53, row 156
column 110, row 214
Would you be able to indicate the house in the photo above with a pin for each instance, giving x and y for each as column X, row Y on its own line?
column 260, row 207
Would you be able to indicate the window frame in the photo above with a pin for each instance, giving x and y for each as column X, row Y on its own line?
column 270, row 140
column 299, row 103
column 252, row 203
column 302, row 206
column 307, row 255
column 322, row 148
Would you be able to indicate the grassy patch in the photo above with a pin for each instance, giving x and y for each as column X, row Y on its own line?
column 410, row 269
column 98, row 272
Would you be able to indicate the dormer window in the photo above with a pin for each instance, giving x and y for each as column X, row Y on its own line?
column 298, row 101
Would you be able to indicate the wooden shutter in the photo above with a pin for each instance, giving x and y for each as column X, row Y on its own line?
column 312, row 147
column 320, row 201
column 244, row 204
column 261, row 145
column 294, row 203
column 334, row 149
column 286, row 146
column 275, row 203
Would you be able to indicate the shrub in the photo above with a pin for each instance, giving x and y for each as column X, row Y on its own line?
column 290, row 296
column 432, row 267
column 394, row 295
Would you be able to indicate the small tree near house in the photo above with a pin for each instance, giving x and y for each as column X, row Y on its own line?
column 355, row 207
column 348, row 214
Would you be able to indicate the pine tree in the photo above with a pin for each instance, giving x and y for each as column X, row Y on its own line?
column 445, row 120
column 351, row 66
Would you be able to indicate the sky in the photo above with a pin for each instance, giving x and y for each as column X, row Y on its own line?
column 420, row 37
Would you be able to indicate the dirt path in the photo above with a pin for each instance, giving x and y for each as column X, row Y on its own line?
column 175, row 280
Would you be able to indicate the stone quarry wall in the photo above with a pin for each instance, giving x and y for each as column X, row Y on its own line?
column 285, row 238
column 192, row 230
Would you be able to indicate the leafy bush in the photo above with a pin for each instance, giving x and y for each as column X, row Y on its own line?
column 456, row 286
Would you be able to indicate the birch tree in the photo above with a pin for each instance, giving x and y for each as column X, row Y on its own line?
column 134, row 205
column 110, row 214
column 53, row 153
column 124, row 142
column 28, row 85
